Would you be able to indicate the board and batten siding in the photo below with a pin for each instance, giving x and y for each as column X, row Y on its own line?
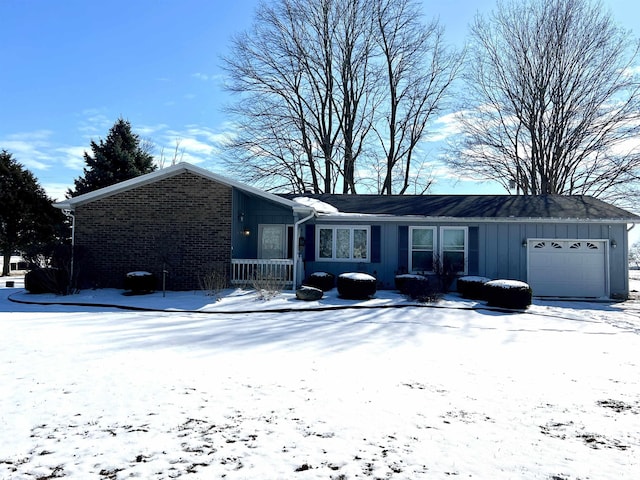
column 495, row 249
column 503, row 256
column 249, row 212
column 388, row 258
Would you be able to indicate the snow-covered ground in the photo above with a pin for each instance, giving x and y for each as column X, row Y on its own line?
column 310, row 391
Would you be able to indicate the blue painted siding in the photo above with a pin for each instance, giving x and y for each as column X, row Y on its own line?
column 255, row 211
column 500, row 253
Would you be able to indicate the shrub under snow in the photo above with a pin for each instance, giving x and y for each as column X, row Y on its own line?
column 322, row 280
column 472, row 287
column 417, row 287
column 140, row 282
column 356, row 286
column 46, row 280
column 508, row 293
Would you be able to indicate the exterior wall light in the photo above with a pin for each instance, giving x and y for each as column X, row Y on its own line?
column 614, row 244
column 524, row 243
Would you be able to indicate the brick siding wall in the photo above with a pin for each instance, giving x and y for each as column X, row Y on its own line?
column 183, row 222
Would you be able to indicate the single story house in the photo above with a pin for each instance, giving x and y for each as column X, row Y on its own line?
column 16, row 264
column 186, row 220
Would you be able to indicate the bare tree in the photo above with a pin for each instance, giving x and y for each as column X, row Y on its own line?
column 282, row 70
column 311, row 78
column 356, row 83
column 418, row 70
column 178, row 154
column 552, row 102
column 634, row 254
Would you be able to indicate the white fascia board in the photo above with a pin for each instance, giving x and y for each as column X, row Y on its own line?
column 418, row 219
column 71, row 203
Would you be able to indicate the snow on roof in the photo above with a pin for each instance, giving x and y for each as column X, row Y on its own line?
column 318, row 205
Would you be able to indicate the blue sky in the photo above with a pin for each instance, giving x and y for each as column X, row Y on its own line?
column 70, row 68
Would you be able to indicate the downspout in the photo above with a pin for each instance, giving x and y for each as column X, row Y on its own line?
column 633, row 225
column 296, row 246
column 71, row 214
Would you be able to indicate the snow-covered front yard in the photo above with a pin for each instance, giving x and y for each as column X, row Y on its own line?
column 396, row 391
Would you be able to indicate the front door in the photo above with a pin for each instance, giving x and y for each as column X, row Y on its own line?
column 273, row 241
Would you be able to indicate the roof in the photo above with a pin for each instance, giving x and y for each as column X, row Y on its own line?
column 498, row 207
column 471, row 207
column 71, row 203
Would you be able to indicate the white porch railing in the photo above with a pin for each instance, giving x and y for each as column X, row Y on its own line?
column 245, row 270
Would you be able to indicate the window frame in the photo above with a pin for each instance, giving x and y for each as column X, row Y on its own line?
column 411, row 249
column 465, row 249
column 334, row 238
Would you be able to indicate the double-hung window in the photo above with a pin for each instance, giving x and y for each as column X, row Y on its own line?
column 338, row 243
column 453, row 249
column 422, row 247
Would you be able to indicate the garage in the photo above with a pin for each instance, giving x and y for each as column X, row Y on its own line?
column 568, row 268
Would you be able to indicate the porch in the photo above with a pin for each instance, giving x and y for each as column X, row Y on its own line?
column 246, row 271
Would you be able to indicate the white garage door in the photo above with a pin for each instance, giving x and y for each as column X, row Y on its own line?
column 568, row 268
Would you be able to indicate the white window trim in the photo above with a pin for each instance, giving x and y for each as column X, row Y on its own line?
column 351, row 228
column 435, row 237
column 466, row 246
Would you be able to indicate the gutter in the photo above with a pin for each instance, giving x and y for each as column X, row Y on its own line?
column 419, row 219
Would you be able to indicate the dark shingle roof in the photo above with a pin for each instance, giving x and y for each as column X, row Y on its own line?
column 477, row 206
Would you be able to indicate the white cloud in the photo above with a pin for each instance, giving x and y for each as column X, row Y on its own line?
column 150, row 130
column 208, row 77
column 31, row 149
column 215, row 137
column 94, row 122
column 196, row 144
column 201, row 76
column 73, row 157
column 444, row 127
column 56, row 191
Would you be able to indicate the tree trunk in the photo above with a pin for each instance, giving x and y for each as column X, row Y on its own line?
column 6, row 262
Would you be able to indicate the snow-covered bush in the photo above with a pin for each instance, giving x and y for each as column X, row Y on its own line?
column 46, row 280
column 322, row 280
column 508, row 293
column 356, row 286
column 416, row 287
column 140, row 282
column 472, row 287
column 404, row 280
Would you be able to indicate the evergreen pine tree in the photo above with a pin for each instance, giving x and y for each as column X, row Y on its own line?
column 118, row 158
column 28, row 220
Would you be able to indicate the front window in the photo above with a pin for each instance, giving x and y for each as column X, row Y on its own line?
column 453, row 249
column 422, row 248
column 343, row 243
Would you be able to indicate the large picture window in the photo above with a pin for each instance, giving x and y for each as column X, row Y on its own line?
column 453, row 248
column 421, row 244
column 339, row 243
